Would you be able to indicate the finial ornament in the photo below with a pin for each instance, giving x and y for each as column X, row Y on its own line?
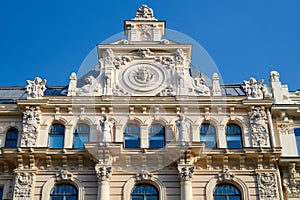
column 144, row 13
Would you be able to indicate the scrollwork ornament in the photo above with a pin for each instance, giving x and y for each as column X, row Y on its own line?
column 284, row 129
column 64, row 174
column 259, row 127
column 225, row 175
column 121, row 61
column 267, row 186
column 144, row 175
column 23, row 185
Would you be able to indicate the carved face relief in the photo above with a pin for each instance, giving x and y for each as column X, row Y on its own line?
column 143, row 75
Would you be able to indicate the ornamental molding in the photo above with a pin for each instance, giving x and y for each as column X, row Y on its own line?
column 254, row 89
column 259, row 126
column 225, row 175
column 23, row 185
column 144, row 175
column 267, row 186
column 144, row 13
column 64, row 174
column 35, row 89
column 31, row 125
column 103, row 172
column 292, row 183
column 186, row 172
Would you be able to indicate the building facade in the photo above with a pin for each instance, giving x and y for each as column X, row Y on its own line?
column 141, row 126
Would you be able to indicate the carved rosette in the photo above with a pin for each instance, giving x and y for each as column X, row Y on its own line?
column 35, row 89
column 103, row 173
column 267, row 186
column 23, row 185
column 259, row 126
column 225, row 175
column 143, row 175
column 254, row 89
column 64, row 174
column 186, row 173
column 292, row 183
column 31, row 125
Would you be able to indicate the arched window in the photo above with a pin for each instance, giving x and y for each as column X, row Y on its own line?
column 156, row 136
column 233, row 136
column 144, row 192
column 208, row 135
column 131, row 136
column 297, row 136
column 56, row 136
column 64, row 192
column 80, row 135
column 226, row 192
column 11, row 138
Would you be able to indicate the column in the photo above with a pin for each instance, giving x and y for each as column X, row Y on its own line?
column 185, row 174
column 103, row 174
column 68, row 139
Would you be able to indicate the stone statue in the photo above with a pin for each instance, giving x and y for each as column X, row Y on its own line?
column 144, row 13
column 253, row 88
column 91, row 86
column 200, row 88
column 106, row 126
column 36, row 88
column 183, row 129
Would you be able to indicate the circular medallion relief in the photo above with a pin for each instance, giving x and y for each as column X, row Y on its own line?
column 143, row 78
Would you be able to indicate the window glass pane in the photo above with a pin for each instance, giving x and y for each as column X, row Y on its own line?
column 233, row 136
column 208, row 135
column 156, row 136
column 56, row 136
column 144, row 192
column 1, row 193
column 64, row 192
column 297, row 136
column 226, row 192
column 11, row 138
column 81, row 135
column 131, row 136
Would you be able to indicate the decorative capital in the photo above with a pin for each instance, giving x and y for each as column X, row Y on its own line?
column 103, row 173
column 35, row 89
column 225, row 175
column 64, row 174
column 186, row 173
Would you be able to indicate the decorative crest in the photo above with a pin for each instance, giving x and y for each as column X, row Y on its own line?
column 225, row 175
column 64, row 174
column 253, row 88
column 144, row 175
column 23, row 185
column 267, row 186
column 144, row 13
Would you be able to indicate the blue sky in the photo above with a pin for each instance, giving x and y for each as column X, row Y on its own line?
column 245, row 38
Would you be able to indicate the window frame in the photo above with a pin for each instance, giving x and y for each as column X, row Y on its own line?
column 80, row 136
column 12, row 140
column 232, row 134
column 151, row 135
column 207, row 133
column 52, row 135
column 132, row 136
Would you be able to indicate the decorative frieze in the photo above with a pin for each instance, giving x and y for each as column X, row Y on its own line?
column 103, row 173
column 186, row 172
column 259, row 126
column 31, row 125
column 267, row 186
column 36, row 88
column 254, row 89
column 23, row 185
